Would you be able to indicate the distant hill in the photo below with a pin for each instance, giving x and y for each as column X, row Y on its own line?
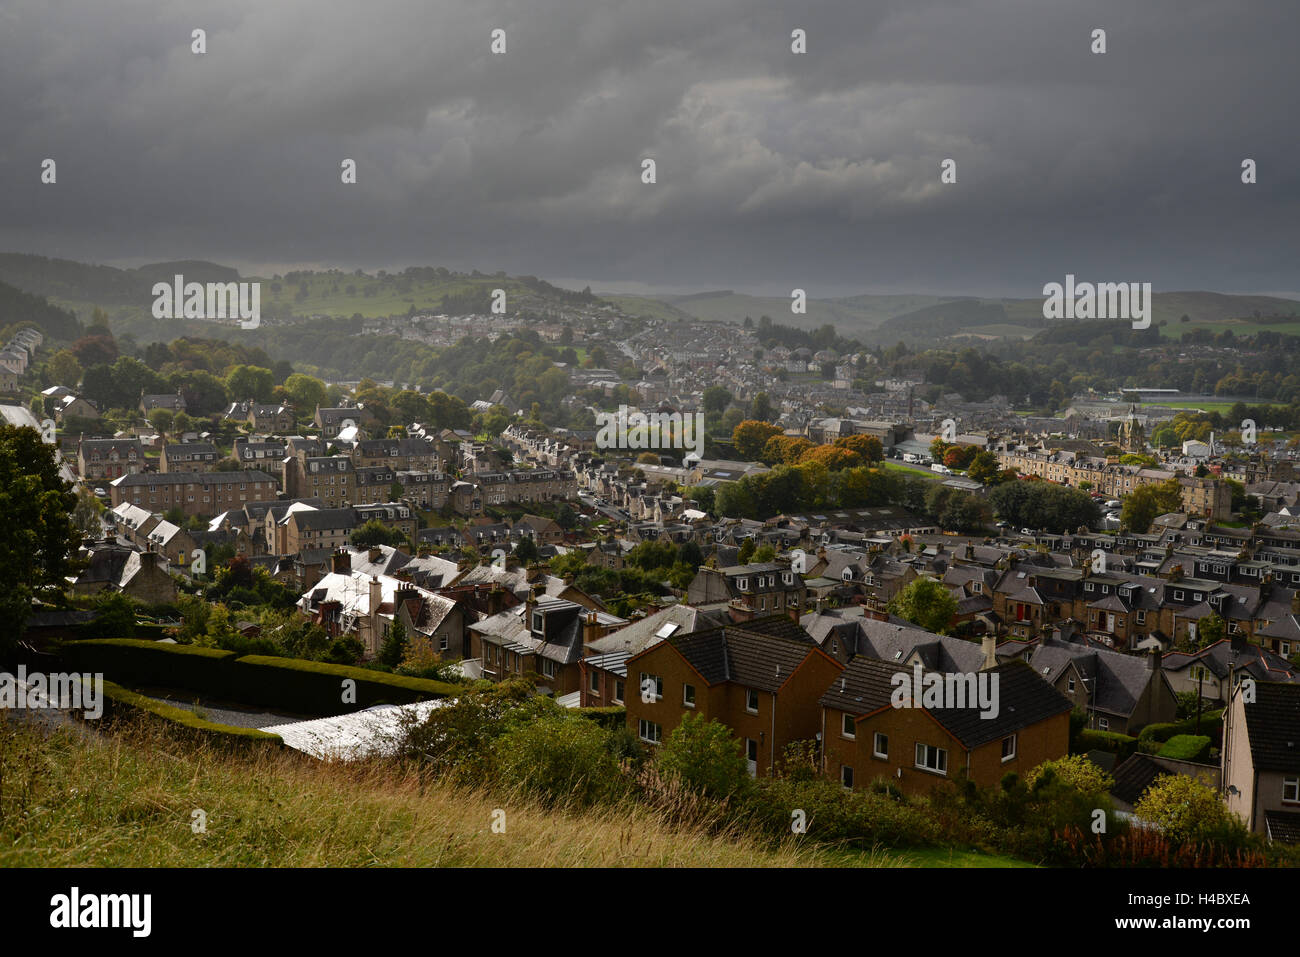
column 19, row 306
column 71, row 281
column 851, row 317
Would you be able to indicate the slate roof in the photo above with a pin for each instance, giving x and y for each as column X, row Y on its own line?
column 1273, row 726
column 1283, row 826
column 753, row 659
column 1118, row 679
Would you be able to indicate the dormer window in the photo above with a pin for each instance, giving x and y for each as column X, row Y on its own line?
column 538, row 622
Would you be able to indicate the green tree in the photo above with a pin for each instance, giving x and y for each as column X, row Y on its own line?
column 747, row 549
column 526, row 550
column 751, row 436
column 926, row 603
column 1186, row 810
column 64, row 369
column 394, row 646
column 375, row 532
column 704, row 757
column 1210, row 629
column 38, row 540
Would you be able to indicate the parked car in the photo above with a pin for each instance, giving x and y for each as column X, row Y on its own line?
column 1114, row 503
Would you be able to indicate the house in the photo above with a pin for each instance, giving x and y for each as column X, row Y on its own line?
column 1214, row 670
column 759, row 588
column 543, row 636
column 109, row 458
column 760, row 678
column 604, row 669
column 188, row 457
column 116, row 568
column 172, row 403
column 1261, row 758
column 870, row 732
column 1119, row 692
column 194, row 493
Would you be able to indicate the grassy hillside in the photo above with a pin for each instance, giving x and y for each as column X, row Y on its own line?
column 851, row 317
column 85, row 800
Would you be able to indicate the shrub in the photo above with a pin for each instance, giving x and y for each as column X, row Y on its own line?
column 832, row 814
column 703, row 757
column 561, row 759
column 1186, row 810
column 1186, row 747
column 1076, row 771
column 1120, row 744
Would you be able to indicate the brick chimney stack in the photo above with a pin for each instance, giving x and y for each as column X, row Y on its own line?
column 341, row 562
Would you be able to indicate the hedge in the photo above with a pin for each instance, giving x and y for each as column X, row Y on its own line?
column 119, row 700
column 1211, row 724
column 139, row 662
column 316, row 687
column 1186, row 747
column 288, row 684
column 1116, row 743
column 612, row 717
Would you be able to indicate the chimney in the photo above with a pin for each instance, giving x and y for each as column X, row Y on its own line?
column 1295, row 602
column 375, row 554
column 990, row 645
column 1153, row 659
column 341, row 562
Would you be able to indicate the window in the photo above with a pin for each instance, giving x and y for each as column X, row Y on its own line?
column 595, row 682
column 846, row 777
column 649, row 682
column 548, row 667
column 1087, row 586
column 847, row 725
column 1178, row 595
column 1103, row 724
column 442, row 642
column 688, row 695
column 649, row 732
column 881, row 746
column 742, row 584
column 1008, row 747
column 930, row 758
column 1291, row 790
column 618, row 692
column 1140, row 617
column 751, row 701
column 1070, row 685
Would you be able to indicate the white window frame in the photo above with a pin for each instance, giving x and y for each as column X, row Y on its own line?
column 848, row 726
column 649, row 732
column 923, row 754
column 688, row 695
column 875, row 745
column 1294, row 785
column 1005, row 756
column 751, row 694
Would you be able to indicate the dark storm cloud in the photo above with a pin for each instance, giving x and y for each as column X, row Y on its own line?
column 775, row 170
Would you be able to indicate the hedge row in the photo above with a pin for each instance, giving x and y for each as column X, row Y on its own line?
column 287, row 684
column 1112, row 741
column 1211, row 724
column 1186, row 747
column 119, row 700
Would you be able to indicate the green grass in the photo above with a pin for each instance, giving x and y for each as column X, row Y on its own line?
column 927, row 474
column 954, row 857
column 127, row 800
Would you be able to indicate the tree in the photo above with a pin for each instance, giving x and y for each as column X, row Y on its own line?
column 394, row 646
column 114, row 616
column 834, row 457
column 375, row 532
column 747, row 549
column 716, row 399
column 162, row 420
column 762, row 408
column 250, row 382
column 38, row 540
column 867, row 446
column 703, row 757
column 751, row 436
column 1210, row 629
column 1146, row 502
column 64, row 369
column 85, row 515
column 305, row 392
column 984, row 467
column 1076, row 770
column 1185, row 809
column 526, row 550
column 926, row 603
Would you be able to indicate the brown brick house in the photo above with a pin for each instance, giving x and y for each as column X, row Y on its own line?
column 761, row 679
column 865, row 736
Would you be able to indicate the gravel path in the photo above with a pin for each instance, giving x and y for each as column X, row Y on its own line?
column 223, row 712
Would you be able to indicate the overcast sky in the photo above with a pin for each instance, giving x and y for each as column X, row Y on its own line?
column 775, row 170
